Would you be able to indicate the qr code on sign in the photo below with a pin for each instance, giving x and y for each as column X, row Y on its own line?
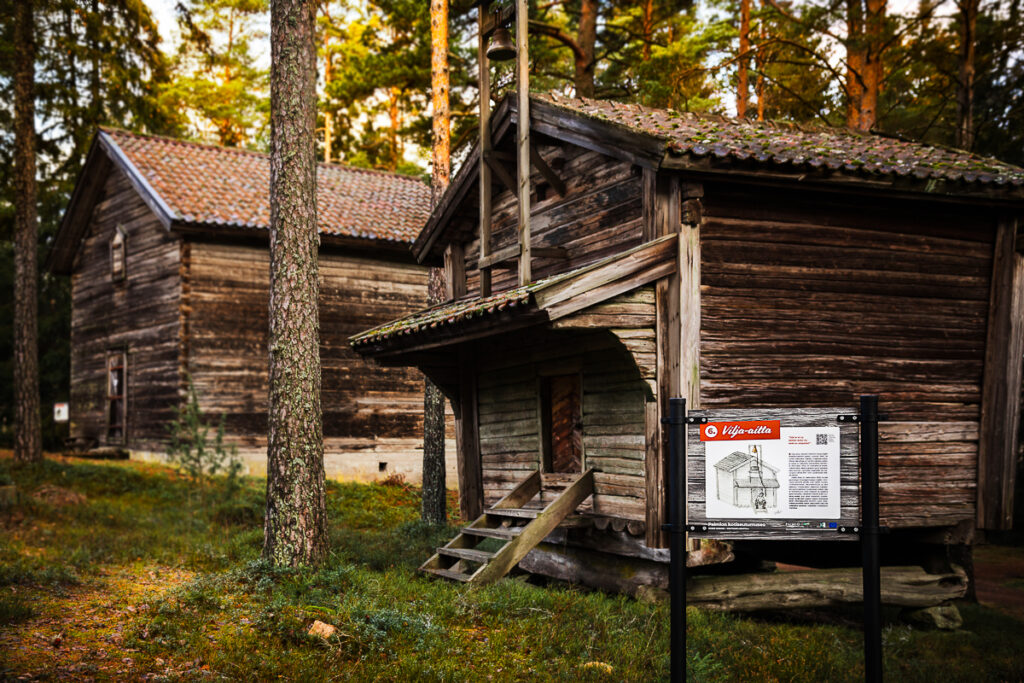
column 822, row 439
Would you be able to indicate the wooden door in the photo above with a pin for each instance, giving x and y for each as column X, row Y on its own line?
column 564, row 413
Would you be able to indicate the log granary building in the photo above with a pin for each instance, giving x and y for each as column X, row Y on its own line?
column 166, row 245
column 734, row 264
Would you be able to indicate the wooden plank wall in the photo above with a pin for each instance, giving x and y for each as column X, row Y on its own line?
column 615, row 397
column 812, row 302
column 229, row 290
column 138, row 314
column 599, row 216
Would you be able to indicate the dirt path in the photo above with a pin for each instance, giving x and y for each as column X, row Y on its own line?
column 78, row 633
column 999, row 578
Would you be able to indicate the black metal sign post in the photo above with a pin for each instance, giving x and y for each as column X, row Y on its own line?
column 869, row 539
column 676, row 528
column 867, row 530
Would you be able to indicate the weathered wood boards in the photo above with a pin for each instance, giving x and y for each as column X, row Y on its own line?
column 1000, row 407
column 599, row 215
column 138, row 314
column 615, row 396
column 810, row 300
column 227, row 360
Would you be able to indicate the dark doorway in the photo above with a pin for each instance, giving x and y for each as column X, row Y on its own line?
column 562, row 414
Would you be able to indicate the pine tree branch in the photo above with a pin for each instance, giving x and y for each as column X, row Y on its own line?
column 541, row 29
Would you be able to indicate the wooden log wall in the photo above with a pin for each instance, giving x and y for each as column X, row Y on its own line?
column 227, row 303
column 599, row 215
column 604, row 344
column 810, row 302
column 138, row 314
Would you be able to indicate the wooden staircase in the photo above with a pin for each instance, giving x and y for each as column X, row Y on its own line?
column 521, row 520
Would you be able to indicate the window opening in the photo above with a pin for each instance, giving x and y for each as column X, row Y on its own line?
column 118, row 249
column 116, row 396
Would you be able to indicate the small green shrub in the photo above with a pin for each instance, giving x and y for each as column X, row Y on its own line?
column 191, row 449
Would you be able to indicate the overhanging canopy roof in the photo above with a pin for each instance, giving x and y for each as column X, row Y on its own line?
column 542, row 301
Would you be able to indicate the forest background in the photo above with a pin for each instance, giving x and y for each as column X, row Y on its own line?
column 947, row 72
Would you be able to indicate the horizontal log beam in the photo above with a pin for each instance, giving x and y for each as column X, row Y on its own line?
column 902, row 586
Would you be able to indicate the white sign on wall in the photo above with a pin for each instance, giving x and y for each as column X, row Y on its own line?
column 784, row 473
column 60, row 412
column 775, row 473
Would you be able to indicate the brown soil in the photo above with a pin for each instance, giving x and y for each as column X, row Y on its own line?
column 999, row 578
column 78, row 633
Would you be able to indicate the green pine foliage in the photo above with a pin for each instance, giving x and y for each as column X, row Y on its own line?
column 191, row 448
column 218, row 85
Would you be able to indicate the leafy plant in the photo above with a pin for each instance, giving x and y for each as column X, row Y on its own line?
column 193, row 451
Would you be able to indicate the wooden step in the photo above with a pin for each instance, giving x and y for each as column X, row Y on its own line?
column 560, row 480
column 447, row 573
column 517, row 513
column 541, row 517
column 466, row 554
column 534, row 532
column 504, row 534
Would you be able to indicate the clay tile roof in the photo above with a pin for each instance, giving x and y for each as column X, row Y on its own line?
column 811, row 146
column 209, row 185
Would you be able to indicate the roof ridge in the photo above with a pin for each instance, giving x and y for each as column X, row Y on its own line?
column 251, row 152
column 814, row 144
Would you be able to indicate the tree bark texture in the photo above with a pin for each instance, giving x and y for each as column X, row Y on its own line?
column 295, row 528
column 865, row 44
column 648, row 29
column 27, row 434
column 434, row 503
column 968, row 10
column 434, row 486
column 742, row 87
column 586, row 38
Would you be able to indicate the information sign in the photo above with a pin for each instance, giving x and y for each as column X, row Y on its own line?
column 772, row 474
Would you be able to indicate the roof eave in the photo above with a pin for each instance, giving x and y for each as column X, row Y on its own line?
column 893, row 185
column 547, row 118
column 150, row 196
column 424, row 246
column 60, row 259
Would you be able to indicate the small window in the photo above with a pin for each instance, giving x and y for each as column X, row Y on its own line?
column 118, row 249
column 117, row 394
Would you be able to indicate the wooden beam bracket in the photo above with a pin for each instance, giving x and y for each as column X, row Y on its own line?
column 493, row 160
column 545, row 170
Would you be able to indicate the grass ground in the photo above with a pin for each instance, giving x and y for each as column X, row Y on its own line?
column 116, row 571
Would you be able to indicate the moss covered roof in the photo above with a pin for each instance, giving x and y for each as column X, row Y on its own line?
column 783, row 144
column 448, row 314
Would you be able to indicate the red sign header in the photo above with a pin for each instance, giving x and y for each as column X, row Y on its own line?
column 740, row 431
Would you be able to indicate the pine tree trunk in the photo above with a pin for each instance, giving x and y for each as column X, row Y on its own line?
column 968, row 10
column 586, row 39
column 865, row 21
column 27, row 434
column 434, row 487
column 648, row 29
column 742, row 87
column 295, row 530
column 856, row 58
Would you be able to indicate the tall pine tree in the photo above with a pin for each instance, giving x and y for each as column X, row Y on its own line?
column 27, row 437
column 295, row 526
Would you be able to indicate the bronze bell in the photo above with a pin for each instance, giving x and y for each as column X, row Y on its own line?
column 501, row 48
